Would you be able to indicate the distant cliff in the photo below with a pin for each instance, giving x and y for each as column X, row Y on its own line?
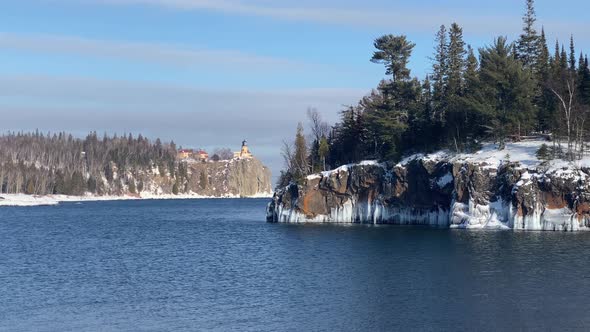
column 235, row 178
column 59, row 164
column 469, row 191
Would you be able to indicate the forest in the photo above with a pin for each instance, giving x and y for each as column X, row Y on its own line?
column 37, row 163
column 503, row 91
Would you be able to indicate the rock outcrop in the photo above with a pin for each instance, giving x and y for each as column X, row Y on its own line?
column 441, row 192
column 237, row 177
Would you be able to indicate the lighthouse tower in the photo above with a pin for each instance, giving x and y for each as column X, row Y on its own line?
column 244, row 153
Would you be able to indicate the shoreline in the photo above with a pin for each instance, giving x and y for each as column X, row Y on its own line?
column 24, row 200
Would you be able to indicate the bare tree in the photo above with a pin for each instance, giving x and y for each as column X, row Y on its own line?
column 566, row 103
column 573, row 115
column 319, row 128
column 287, row 154
column 224, row 153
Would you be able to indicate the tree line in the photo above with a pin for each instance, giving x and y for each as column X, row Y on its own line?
column 37, row 163
column 503, row 91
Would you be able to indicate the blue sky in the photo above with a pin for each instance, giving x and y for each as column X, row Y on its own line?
column 209, row 73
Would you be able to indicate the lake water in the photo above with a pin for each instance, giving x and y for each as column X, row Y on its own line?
column 216, row 265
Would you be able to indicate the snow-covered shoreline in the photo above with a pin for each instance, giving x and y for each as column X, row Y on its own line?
column 47, row 200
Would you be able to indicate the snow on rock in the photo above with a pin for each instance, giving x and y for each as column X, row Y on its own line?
column 445, row 180
column 488, row 189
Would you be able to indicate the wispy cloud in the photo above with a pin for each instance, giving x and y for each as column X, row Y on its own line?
column 402, row 17
column 416, row 17
column 159, row 53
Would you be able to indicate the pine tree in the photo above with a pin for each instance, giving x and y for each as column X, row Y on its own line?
column 542, row 64
column 427, row 97
column 584, row 81
column 323, row 151
column 456, row 119
column 439, row 74
column 300, row 154
column 572, row 55
column 544, row 99
column 563, row 62
column 394, row 52
column 556, row 57
column 528, row 44
column 455, row 61
column 504, row 92
column 471, row 72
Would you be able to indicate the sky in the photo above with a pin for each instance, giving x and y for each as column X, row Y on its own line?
column 210, row 73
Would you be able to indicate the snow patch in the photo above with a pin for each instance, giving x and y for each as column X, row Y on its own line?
column 445, row 180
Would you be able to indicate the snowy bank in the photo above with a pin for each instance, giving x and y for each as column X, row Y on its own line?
column 45, row 200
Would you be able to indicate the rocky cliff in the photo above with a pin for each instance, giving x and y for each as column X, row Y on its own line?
column 228, row 178
column 236, row 177
column 449, row 191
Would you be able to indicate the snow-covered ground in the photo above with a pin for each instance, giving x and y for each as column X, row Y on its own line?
column 36, row 200
column 523, row 152
column 489, row 156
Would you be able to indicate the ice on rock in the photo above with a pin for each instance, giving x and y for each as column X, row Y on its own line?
column 495, row 214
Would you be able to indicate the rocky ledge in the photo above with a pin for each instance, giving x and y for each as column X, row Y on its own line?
column 457, row 191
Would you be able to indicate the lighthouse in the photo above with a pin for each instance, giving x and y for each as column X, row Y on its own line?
column 244, row 152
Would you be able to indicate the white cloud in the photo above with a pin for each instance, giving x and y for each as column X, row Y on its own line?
column 164, row 54
column 400, row 16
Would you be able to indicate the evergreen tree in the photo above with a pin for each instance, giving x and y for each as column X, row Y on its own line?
column 455, row 116
column 572, row 55
column 439, row 75
column 584, row 81
column 455, row 61
column 466, row 120
column 542, row 64
column 563, row 62
column 323, row 151
column 543, row 153
column 400, row 97
column 471, row 72
column 505, row 92
column 300, row 154
column 348, row 142
column 544, row 99
column 394, row 52
column 527, row 47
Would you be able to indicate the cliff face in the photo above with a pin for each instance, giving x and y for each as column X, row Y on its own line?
column 446, row 192
column 229, row 178
column 236, row 177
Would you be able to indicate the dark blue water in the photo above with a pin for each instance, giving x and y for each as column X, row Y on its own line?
column 215, row 265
